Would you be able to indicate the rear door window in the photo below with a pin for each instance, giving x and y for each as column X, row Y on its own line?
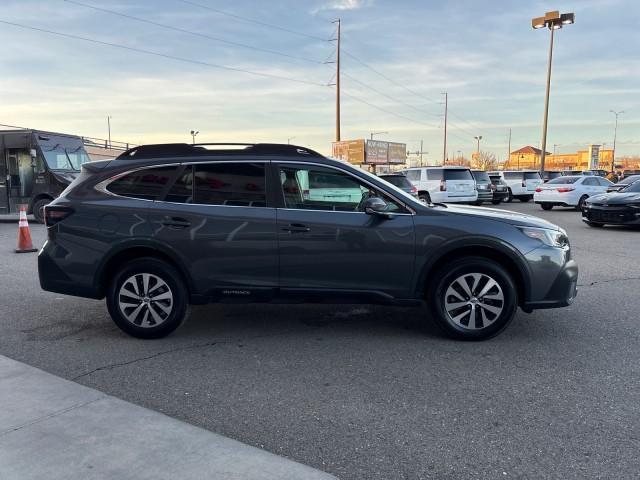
column 532, row 176
column 512, row 175
column 146, row 184
column 230, row 184
column 458, row 174
column 482, row 177
column 397, row 180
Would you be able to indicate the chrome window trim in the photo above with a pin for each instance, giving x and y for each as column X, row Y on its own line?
column 102, row 186
column 413, row 212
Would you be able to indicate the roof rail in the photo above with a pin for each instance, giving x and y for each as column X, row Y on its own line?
column 187, row 150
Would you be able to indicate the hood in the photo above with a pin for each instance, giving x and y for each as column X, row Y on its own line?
column 65, row 177
column 506, row 216
column 615, row 198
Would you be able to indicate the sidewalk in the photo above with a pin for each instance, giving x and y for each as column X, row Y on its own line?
column 56, row 429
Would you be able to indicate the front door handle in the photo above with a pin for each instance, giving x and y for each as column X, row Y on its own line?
column 176, row 222
column 296, row 228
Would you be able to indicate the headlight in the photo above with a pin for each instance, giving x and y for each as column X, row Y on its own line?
column 552, row 238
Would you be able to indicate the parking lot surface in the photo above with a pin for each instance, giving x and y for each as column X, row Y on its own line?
column 370, row 392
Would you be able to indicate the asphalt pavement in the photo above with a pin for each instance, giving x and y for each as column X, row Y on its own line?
column 370, row 392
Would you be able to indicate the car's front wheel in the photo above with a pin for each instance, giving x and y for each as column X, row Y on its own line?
column 509, row 197
column 474, row 298
column 147, row 298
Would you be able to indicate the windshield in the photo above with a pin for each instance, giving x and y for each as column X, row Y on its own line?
column 632, row 188
column 481, row 176
column 60, row 158
column 397, row 180
column 62, row 152
column 563, row 180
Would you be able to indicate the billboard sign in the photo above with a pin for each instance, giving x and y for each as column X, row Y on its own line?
column 397, row 153
column 351, row 151
column 376, row 152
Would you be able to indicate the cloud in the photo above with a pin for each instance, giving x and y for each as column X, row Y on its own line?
column 343, row 5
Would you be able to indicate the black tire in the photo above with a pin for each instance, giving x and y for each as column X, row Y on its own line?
column 161, row 275
column 595, row 225
column 581, row 202
column 546, row 206
column 524, row 199
column 438, row 301
column 478, row 203
column 509, row 197
column 38, row 209
column 496, row 202
column 425, row 197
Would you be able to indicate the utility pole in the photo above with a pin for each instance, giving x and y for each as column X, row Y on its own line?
column 446, row 108
column 338, row 82
column 478, row 138
column 109, row 128
column 509, row 149
column 615, row 134
column 421, row 152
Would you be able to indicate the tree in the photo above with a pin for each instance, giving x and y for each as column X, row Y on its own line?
column 485, row 161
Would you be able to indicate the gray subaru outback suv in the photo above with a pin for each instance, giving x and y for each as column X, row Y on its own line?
column 162, row 227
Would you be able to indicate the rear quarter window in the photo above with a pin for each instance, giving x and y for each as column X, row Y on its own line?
column 413, row 175
column 532, row 176
column 146, row 184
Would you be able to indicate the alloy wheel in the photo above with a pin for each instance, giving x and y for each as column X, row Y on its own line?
column 145, row 300
column 474, row 301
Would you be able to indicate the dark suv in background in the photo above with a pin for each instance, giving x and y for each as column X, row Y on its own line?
column 165, row 226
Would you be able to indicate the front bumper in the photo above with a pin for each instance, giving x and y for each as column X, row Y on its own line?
column 555, row 278
column 618, row 215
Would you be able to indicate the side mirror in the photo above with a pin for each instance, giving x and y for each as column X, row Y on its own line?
column 376, row 206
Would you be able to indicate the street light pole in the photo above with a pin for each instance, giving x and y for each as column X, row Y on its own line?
column 615, row 134
column 193, row 135
column 109, row 128
column 478, row 138
column 554, row 21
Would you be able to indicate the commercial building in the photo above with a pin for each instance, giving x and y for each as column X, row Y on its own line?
column 592, row 158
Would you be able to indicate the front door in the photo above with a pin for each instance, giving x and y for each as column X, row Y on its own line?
column 327, row 242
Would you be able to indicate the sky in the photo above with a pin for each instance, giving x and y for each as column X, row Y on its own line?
column 258, row 71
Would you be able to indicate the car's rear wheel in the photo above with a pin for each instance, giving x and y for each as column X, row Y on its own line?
column 474, row 298
column 147, row 298
column 581, row 202
column 425, row 197
column 524, row 199
column 496, row 202
column 546, row 206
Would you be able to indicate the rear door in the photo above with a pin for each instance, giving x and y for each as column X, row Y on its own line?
column 219, row 219
column 459, row 182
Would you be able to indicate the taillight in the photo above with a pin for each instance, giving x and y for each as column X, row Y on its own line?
column 538, row 190
column 443, row 186
column 492, row 186
column 54, row 214
column 414, row 189
column 565, row 189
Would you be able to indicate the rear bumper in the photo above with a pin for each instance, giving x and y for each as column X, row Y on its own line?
column 54, row 279
column 485, row 195
column 500, row 195
column 562, row 292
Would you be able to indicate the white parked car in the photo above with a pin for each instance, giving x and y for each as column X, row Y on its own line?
column 522, row 184
column 443, row 184
column 571, row 191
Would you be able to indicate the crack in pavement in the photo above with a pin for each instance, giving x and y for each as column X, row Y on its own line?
column 607, row 281
column 177, row 349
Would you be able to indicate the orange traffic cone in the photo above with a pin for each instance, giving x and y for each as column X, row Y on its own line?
column 24, row 235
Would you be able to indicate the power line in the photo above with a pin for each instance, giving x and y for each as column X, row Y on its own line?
column 191, row 32
column 163, row 55
column 251, row 20
column 358, row 99
column 387, row 96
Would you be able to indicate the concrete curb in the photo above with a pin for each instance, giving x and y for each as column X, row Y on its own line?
column 57, row 429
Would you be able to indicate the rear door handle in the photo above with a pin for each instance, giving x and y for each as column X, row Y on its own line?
column 296, row 228
column 176, row 222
